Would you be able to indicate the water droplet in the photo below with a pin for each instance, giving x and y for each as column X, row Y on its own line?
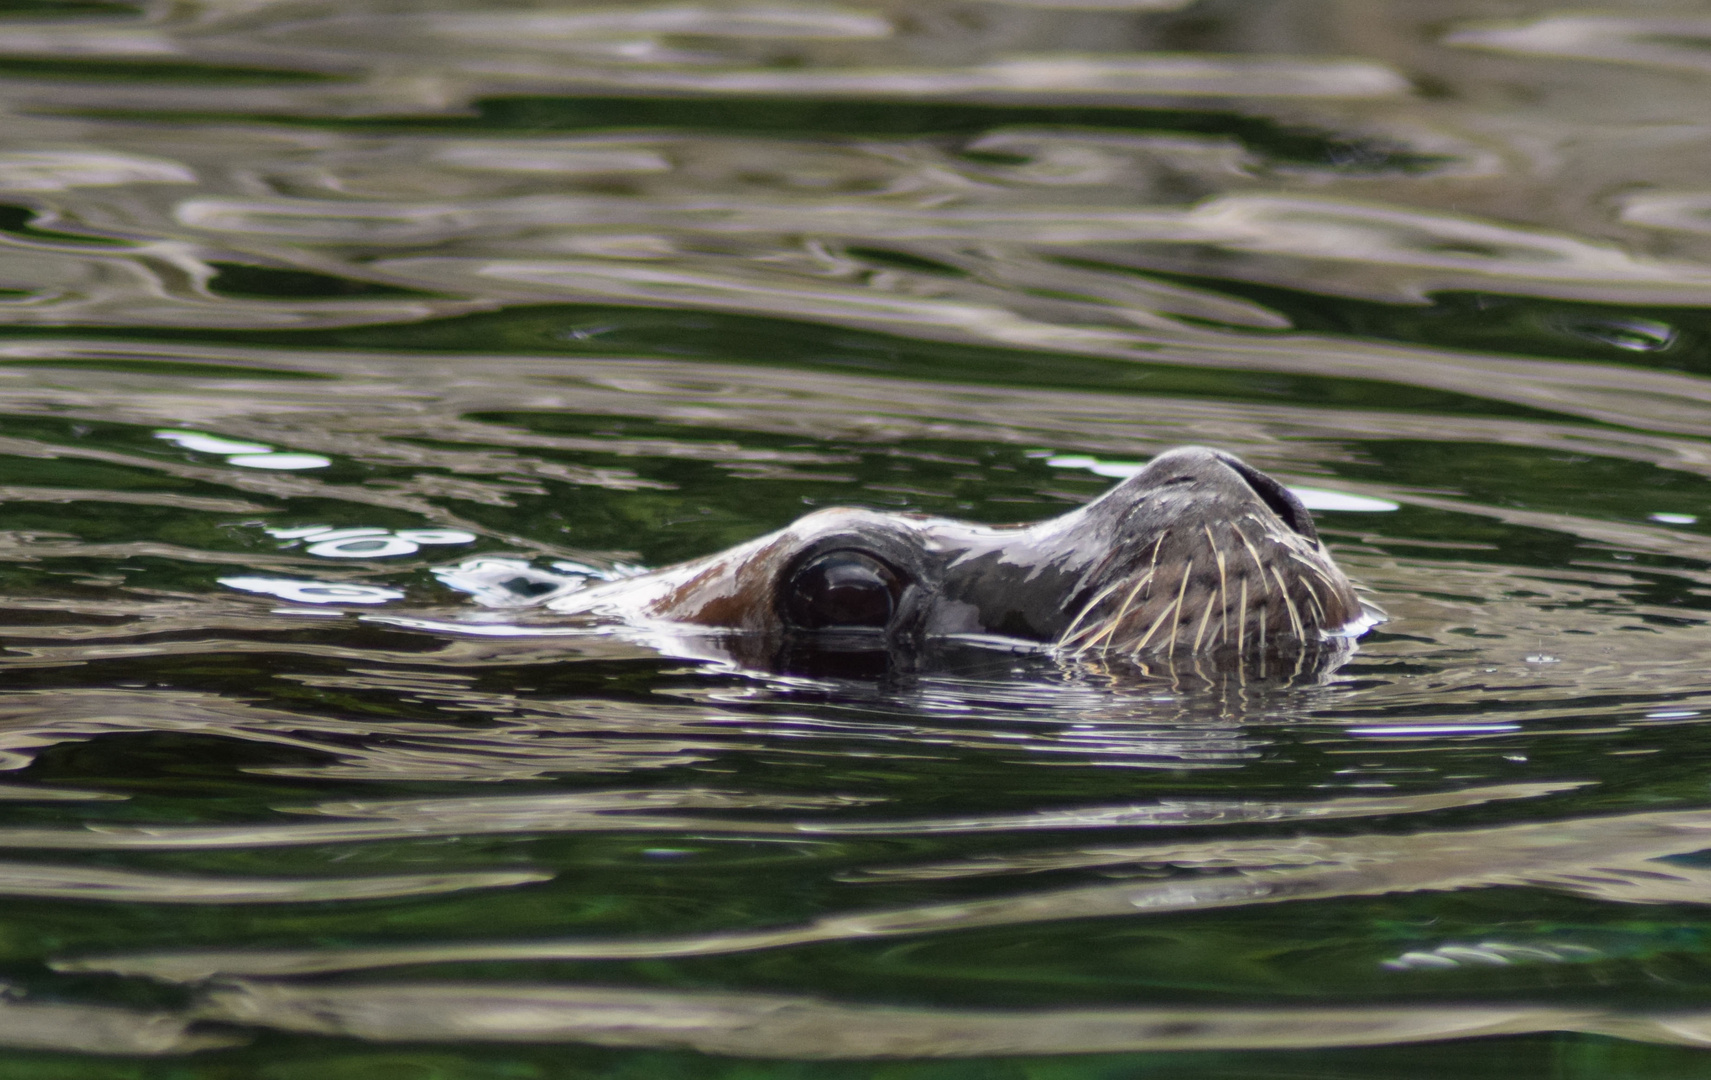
column 436, row 536
column 313, row 592
column 210, row 444
column 1629, row 335
column 324, row 533
column 363, row 547
column 279, row 461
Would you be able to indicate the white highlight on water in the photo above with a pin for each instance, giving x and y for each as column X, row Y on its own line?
column 1434, row 729
column 280, row 461
column 314, row 592
column 210, row 444
column 368, row 542
column 246, row 455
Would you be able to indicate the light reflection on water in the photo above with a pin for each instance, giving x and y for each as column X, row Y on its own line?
column 332, row 333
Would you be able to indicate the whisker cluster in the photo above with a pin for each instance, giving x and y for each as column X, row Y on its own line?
column 1239, row 587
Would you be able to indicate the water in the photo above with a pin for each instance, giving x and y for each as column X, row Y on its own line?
column 307, row 306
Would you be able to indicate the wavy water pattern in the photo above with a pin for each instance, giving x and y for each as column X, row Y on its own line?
column 337, row 339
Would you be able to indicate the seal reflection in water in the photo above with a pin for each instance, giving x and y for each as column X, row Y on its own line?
column 1198, row 561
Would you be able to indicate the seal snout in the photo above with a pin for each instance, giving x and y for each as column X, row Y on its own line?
column 1208, row 556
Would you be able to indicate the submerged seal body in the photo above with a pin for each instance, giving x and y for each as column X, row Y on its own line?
column 1198, row 558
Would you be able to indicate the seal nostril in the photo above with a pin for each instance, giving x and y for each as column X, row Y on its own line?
column 842, row 589
column 1279, row 498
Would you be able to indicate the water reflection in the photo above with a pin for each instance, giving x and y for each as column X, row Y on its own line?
column 1611, row 859
column 768, row 1027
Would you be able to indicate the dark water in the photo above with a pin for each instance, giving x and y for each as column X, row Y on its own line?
column 598, row 287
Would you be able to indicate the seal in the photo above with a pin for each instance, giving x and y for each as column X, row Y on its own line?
column 1198, row 558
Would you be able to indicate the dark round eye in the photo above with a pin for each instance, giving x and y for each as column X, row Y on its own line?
column 841, row 588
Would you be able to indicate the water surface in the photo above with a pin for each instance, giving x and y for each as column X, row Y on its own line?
column 312, row 315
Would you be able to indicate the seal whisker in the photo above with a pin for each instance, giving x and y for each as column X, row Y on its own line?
column 1128, row 602
column 1312, row 568
column 1223, row 582
column 1264, row 582
column 1069, row 635
column 1205, row 617
column 1307, row 582
column 1115, row 621
column 1151, row 630
column 1313, row 598
column 1242, row 620
column 1259, row 563
column 1176, row 608
column 1294, row 616
column 1173, row 610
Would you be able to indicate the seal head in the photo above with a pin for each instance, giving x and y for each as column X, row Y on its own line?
column 1199, row 557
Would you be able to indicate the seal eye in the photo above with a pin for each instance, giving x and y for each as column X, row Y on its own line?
column 842, row 589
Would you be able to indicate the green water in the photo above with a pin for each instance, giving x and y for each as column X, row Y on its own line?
column 592, row 288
